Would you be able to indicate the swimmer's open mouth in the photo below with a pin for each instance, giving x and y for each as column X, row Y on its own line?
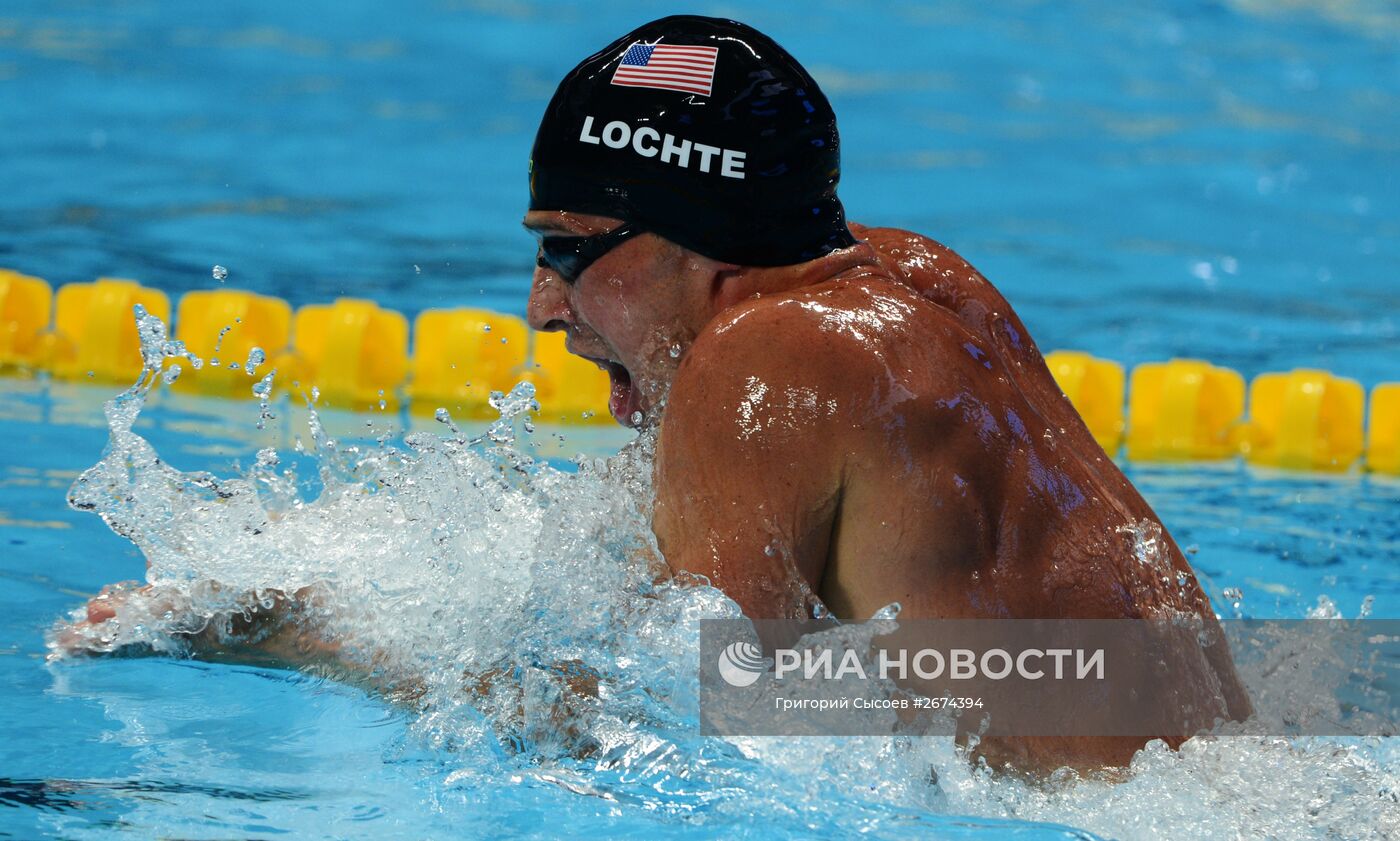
column 625, row 400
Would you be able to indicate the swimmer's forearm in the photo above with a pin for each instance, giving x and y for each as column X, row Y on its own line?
column 284, row 631
column 282, row 634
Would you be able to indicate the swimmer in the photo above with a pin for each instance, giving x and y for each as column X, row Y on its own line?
column 852, row 416
column 847, row 416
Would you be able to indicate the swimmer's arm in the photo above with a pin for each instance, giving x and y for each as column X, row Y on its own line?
column 750, row 459
column 270, row 629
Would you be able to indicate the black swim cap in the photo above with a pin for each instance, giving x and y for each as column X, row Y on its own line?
column 704, row 131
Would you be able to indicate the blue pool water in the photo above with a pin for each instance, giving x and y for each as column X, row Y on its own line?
column 1207, row 179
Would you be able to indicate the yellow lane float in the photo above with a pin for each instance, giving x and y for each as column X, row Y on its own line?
column 94, row 331
column 1383, row 444
column 1183, row 410
column 460, row 356
column 26, row 304
column 353, row 351
column 222, row 327
column 1096, row 388
column 1304, row 420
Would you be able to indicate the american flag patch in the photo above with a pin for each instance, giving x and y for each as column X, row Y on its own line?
column 670, row 67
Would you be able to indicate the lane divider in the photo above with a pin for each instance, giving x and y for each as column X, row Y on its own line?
column 357, row 354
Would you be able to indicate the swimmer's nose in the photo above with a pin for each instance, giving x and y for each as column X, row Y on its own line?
column 548, row 308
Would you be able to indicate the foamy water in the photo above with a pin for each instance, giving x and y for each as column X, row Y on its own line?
column 445, row 562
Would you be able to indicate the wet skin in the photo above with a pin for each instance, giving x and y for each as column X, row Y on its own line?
column 871, row 427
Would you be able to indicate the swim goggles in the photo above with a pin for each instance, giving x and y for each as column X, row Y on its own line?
column 571, row 256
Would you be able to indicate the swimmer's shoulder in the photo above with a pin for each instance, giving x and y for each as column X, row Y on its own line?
column 833, row 338
column 928, row 266
column 755, row 389
column 793, row 335
column 910, row 249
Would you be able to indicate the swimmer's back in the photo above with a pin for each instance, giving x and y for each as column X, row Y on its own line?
column 890, row 434
column 941, row 276
column 966, row 497
column 938, row 481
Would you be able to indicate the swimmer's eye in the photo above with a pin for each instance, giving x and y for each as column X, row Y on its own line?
column 571, row 256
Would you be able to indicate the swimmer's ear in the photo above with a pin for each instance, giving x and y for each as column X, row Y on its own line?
column 700, row 261
column 720, row 272
column 724, row 285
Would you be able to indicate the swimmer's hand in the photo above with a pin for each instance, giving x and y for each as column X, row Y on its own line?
column 123, row 619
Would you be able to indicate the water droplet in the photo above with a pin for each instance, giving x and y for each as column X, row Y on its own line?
column 256, row 357
column 675, row 351
column 636, row 418
column 417, row 270
column 171, row 374
column 220, row 273
column 219, row 344
column 486, row 328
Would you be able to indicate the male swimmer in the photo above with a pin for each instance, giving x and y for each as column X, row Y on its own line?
column 847, row 415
